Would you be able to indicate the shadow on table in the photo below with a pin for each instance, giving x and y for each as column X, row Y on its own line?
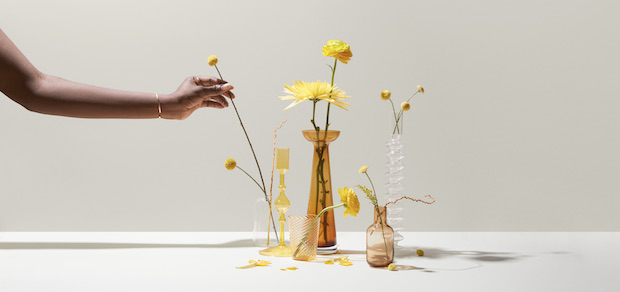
column 101, row 245
column 438, row 253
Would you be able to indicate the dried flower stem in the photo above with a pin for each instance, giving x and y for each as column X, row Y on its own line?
column 251, row 148
column 273, row 163
column 411, row 199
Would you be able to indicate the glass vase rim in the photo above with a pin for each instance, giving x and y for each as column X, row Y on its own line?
column 310, row 135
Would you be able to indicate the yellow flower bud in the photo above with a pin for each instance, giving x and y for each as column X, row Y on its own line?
column 230, row 164
column 405, row 106
column 392, row 267
column 212, row 60
column 339, row 50
column 385, row 95
column 419, row 252
column 363, row 169
column 420, row 89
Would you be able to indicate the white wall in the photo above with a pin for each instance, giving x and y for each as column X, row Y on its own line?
column 518, row 129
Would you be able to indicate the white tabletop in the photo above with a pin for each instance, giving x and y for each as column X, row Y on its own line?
column 206, row 261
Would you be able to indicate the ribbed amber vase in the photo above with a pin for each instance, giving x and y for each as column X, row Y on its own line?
column 321, row 188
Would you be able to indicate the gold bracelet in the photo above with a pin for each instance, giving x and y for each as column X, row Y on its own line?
column 158, row 106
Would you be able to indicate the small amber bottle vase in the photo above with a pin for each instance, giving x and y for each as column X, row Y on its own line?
column 380, row 241
column 321, row 188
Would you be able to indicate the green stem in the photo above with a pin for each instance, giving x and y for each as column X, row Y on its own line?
column 251, row 178
column 318, row 217
column 395, row 119
column 373, row 186
column 264, row 189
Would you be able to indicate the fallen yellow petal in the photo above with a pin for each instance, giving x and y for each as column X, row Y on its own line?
column 329, row 262
column 263, row 263
column 247, row 266
column 292, row 268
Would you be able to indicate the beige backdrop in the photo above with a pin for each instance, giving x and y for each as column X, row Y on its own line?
column 518, row 128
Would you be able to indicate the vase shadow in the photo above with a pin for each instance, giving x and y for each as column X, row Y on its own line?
column 438, row 253
column 120, row 245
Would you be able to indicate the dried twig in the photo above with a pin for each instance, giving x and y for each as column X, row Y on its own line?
column 412, row 199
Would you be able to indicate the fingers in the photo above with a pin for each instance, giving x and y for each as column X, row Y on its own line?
column 207, row 80
column 215, row 102
column 219, row 89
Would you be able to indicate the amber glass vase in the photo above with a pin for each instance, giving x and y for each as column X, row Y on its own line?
column 380, row 241
column 321, row 188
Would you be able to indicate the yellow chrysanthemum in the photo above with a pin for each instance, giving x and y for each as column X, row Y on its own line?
column 350, row 201
column 230, row 164
column 212, row 60
column 363, row 169
column 385, row 95
column 302, row 91
column 420, row 89
column 405, row 106
column 339, row 50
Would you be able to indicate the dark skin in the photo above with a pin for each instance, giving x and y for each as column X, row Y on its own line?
column 47, row 94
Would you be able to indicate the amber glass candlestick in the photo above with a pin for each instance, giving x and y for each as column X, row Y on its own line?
column 282, row 204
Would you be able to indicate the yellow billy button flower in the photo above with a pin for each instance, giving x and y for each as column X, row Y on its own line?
column 212, row 60
column 363, row 169
column 339, row 50
column 405, row 106
column 230, row 164
column 350, row 201
column 420, row 89
column 386, row 94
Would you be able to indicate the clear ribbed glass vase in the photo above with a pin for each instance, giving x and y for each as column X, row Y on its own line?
column 394, row 187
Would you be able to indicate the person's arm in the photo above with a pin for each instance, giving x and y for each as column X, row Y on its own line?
column 42, row 93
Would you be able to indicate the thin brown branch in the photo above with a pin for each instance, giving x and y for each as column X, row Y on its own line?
column 273, row 159
column 412, row 199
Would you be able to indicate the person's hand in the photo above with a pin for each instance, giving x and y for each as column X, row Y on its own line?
column 194, row 93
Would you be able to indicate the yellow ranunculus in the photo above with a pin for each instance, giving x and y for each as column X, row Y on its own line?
column 212, row 60
column 230, row 164
column 339, row 50
column 405, row 106
column 385, row 95
column 363, row 169
column 420, row 89
column 350, row 201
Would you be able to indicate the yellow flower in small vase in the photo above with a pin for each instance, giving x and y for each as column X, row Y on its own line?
column 339, row 50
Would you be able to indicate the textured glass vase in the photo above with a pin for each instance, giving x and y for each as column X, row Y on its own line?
column 394, row 187
column 300, row 226
column 321, row 188
column 380, row 241
column 262, row 229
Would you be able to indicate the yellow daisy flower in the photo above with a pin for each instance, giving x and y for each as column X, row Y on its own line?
column 302, row 91
column 350, row 201
column 363, row 169
column 339, row 50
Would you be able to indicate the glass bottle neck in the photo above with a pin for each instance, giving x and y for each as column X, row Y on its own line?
column 380, row 215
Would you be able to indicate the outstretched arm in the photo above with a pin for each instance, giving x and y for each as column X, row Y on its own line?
column 42, row 93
